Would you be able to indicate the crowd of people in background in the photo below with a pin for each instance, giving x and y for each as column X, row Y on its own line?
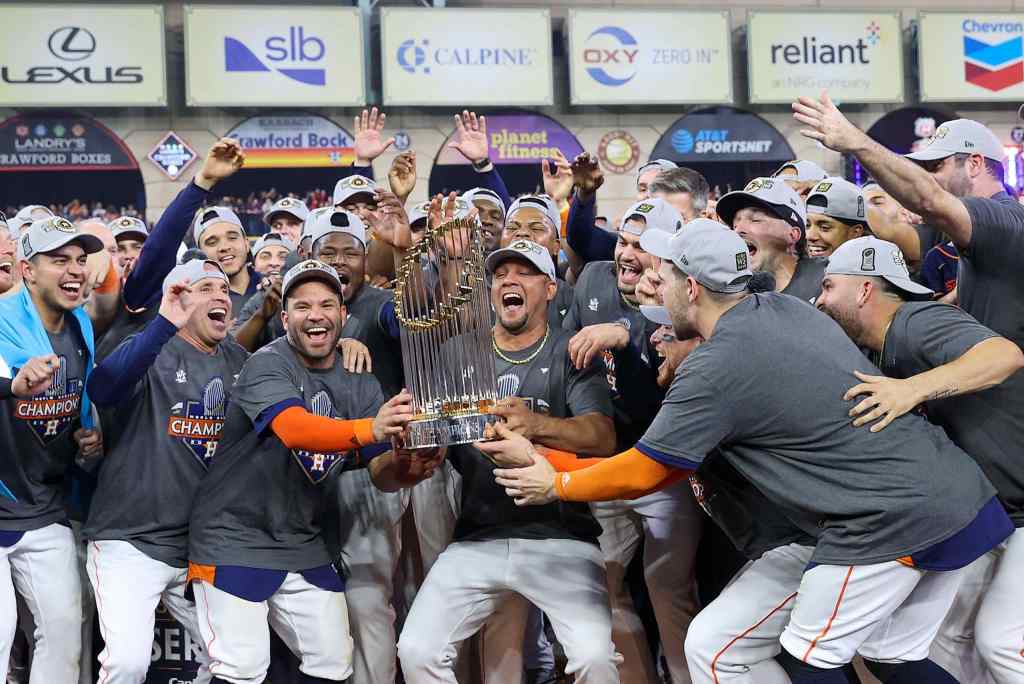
column 794, row 409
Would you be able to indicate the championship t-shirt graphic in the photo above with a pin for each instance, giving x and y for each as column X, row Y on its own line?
column 198, row 423
column 52, row 412
column 317, row 464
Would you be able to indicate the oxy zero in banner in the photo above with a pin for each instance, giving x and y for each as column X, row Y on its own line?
column 856, row 56
column 973, row 56
column 82, row 55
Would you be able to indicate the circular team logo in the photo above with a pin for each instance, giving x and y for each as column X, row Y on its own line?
column 403, row 141
column 618, row 152
column 72, row 43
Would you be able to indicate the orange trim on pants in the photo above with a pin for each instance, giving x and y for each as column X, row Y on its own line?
column 204, row 573
column 835, row 611
column 714, row 661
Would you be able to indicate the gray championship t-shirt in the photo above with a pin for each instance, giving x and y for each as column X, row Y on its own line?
column 261, row 505
column 806, row 281
column 558, row 308
column 38, row 437
column 632, row 373
column 363, row 324
column 767, row 389
column 159, row 443
column 988, row 425
column 551, row 385
column 990, row 282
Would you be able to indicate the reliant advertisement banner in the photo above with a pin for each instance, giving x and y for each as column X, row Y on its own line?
column 972, row 57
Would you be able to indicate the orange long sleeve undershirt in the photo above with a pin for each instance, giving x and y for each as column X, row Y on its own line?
column 628, row 475
column 300, row 429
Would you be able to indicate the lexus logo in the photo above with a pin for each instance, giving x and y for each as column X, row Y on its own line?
column 72, row 43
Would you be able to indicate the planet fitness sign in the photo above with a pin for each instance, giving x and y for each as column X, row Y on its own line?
column 520, row 139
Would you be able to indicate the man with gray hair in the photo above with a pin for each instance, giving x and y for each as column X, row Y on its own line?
column 683, row 188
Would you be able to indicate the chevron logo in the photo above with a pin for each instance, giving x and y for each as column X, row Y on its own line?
column 994, row 67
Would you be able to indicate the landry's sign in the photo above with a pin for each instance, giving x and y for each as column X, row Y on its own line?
column 521, row 139
column 61, row 143
column 82, row 55
column 971, row 57
column 856, row 56
column 293, row 140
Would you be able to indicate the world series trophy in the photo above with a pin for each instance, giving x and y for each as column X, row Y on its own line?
column 444, row 315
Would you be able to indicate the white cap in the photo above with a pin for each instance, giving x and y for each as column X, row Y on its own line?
column 484, row 195
column 287, row 205
column 542, row 202
column 307, row 225
column 194, row 271
column 420, row 212
column 805, row 171
column 25, row 216
column 338, row 221
column 271, row 240
column 705, row 250
column 525, row 250
column 869, row 256
column 838, row 198
column 961, row 136
column 212, row 216
column 771, row 194
column 656, row 213
column 49, row 234
column 350, row 186
column 128, row 227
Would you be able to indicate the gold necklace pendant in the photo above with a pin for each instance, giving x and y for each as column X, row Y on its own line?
column 528, row 359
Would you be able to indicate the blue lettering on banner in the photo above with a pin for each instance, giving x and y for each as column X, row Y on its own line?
column 974, row 26
column 418, row 56
column 715, row 141
column 289, row 55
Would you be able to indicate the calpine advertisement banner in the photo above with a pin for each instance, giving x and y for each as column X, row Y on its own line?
column 82, row 56
column 855, row 56
column 295, row 55
column 971, row 57
column 462, row 57
column 649, row 57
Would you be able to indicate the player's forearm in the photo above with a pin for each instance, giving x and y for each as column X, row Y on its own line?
column 386, row 473
column 248, row 334
column 588, row 241
column 985, row 365
column 297, row 428
column 113, row 381
column 628, row 475
column 592, row 434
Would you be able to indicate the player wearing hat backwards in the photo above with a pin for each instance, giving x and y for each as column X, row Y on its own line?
column 168, row 388
column 219, row 233
column 256, row 545
column 836, row 212
column 770, row 217
column 21, row 221
column 966, row 377
column 891, row 549
column 41, row 436
column 286, row 218
column 143, row 283
column 955, row 183
column 269, row 253
column 492, row 215
column 501, row 550
column 605, row 315
column 801, row 175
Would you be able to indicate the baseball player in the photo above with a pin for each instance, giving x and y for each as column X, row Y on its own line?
column 771, row 218
column 286, row 218
column 168, row 387
column 547, row 555
column 897, row 516
column 606, row 318
column 21, row 221
column 269, row 253
column 646, row 174
column 7, row 263
column 130, row 234
column 492, row 215
column 967, row 378
column 42, row 434
column 801, row 175
column 219, row 233
column 256, row 546
column 836, row 212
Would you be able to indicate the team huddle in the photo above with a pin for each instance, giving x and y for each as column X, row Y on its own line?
column 191, row 419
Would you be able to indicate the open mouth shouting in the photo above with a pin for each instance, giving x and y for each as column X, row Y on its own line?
column 219, row 316
column 629, row 273
column 318, row 335
column 513, row 303
column 71, row 290
column 7, row 269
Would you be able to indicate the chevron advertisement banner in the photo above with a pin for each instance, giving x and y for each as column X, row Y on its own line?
column 971, row 57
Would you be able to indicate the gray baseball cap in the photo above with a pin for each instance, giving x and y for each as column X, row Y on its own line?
column 838, row 198
column 25, row 216
column 211, row 216
column 805, row 171
column 349, row 187
column 656, row 314
column 484, row 195
column 194, row 271
column 542, row 202
column 49, row 234
column 656, row 213
column 524, row 250
column 4, row 226
column 869, row 256
column 771, row 194
column 961, row 136
column 307, row 225
column 287, row 205
column 311, row 269
column 271, row 240
column 338, row 221
column 419, row 212
column 707, row 251
column 129, row 228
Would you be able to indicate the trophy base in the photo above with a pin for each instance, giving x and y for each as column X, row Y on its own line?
column 440, row 431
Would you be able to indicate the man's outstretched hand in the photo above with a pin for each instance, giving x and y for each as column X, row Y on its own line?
column 826, row 124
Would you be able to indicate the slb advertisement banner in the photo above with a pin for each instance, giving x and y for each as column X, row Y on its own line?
column 294, row 55
column 856, row 56
column 82, row 56
column 466, row 56
column 649, row 57
column 969, row 57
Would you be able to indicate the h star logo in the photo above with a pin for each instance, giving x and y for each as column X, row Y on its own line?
column 316, row 465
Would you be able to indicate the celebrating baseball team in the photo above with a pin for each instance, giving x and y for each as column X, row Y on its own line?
column 736, row 441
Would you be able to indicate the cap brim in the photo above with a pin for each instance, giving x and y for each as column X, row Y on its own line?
column 132, row 235
column 908, row 285
column 656, row 314
column 348, row 198
column 313, row 274
column 90, row 243
column 730, row 205
column 657, row 243
column 929, row 153
column 269, row 218
column 497, row 257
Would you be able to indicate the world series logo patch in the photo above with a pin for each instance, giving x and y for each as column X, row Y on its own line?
column 198, row 424
column 53, row 411
column 316, row 465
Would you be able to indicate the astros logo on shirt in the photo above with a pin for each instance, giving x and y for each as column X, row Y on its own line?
column 317, row 465
column 52, row 412
column 198, row 424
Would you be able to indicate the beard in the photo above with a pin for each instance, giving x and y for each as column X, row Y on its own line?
column 853, row 328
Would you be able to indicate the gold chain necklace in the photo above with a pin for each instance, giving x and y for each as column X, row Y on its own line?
column 528, row 359
column 628, row 303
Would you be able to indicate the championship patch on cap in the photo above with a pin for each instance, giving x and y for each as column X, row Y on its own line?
column 867, row 259
column 357, row 182
column 125, row 222
column 644, row 208
column 823, row 186
column 741, row 261
column 758, row 184
column 59, row 223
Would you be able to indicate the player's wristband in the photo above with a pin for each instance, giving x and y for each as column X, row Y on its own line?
column 561, row 482
column 362, row 432
column 483, row 165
